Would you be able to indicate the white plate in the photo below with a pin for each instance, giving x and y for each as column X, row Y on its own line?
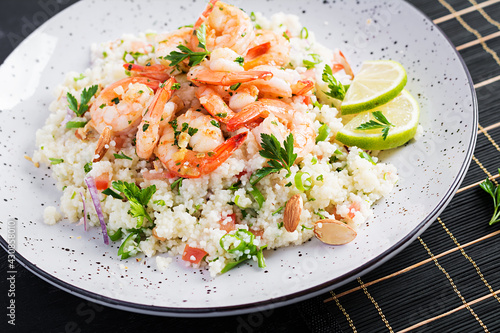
column 430, row 169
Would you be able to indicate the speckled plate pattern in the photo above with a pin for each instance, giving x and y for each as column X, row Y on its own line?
column 430, row 169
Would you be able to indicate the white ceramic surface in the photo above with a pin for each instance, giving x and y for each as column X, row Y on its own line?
column 430, row 169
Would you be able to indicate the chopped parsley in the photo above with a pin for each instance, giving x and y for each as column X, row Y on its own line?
column 176, row 57
column 122, row 156
column 337, row 89
column 85, row 97
column 240, row 60
column 176, row 86
column 235, row 86
column 138, row 199
column 215, row 123
column 76, row 124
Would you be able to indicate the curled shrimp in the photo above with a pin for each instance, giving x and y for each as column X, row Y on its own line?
column 339, row 63
column 288, row 119
column 226, row 26
column 270, row 49
column 283, row 84
column 155, row 71
column 209, row 150
column 120, row 105
column 148, row 131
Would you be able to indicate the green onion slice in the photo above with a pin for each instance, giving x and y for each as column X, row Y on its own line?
column 303, row 185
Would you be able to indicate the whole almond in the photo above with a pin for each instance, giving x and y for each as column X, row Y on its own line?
column 334, row 232
column 293, row 209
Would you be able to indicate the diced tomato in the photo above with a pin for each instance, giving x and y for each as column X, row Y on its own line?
column 102, row 181
column 354, row 206
column 229, row 225
column 193, row 254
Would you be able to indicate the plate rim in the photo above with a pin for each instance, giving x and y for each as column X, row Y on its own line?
column 288, row 298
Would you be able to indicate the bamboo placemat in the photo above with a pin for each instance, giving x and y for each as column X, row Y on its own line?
column 448, row 280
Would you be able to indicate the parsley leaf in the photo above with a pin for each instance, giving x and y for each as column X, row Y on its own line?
column 337, row 89
column 279, row 157
column 176, row 57
column 85, row 97
column 138, row 199
column 55, row 161
column 240, row 60
column 380, row 122
column 492, row 190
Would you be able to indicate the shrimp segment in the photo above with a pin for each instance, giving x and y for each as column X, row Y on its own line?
column 228, row 26
column 295, row 121
column 271, row 49
column 121, row 104
column 340, row 63
column 214, row 104
column 202, row 75
column 186, row 163
column 148, row 131
column 155, row 72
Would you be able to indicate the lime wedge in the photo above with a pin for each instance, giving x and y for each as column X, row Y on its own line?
column 402, row 112
column 377, row 83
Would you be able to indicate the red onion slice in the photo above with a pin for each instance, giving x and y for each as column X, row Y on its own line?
column 94, row 194
column 84, row 213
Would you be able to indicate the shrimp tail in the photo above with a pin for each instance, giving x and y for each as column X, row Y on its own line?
column 248, row 115
column 253, row 54
column 302, row 87
column 193, row 42
column 205, row 76
column 148, row 131
column 215, row 105
column 194, row 165
column 340, row 63
column 156, row 72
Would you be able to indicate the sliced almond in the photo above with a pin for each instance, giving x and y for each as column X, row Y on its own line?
column 334, row 232
column 102, row 144
column 293, row 209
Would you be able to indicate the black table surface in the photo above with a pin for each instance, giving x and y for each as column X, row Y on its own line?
column 448, row 280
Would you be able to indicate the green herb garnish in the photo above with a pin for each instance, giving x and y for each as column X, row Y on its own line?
column 176, row 57
column 380, row 122
column 122, row 156
column 279, row 157
column 112, row 193
column 87, row 167
column 177, row 183
column 85, row 97
column 240, row 60
column 138, row 199
column 490, row 188
column 241, row 242
column 337, row 89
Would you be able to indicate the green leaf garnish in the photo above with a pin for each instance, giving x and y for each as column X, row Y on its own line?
column 122, row 156
column 310, row 64
column 337, row 89
column 138, row 199
column 112, row 193
column 367, row 157
column 492, row 190
column 380, row 122
column 85, row 97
